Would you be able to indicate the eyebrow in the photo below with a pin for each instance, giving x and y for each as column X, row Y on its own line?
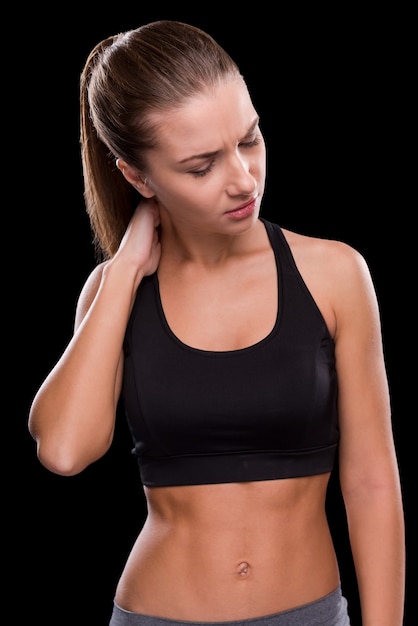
column 207, row 155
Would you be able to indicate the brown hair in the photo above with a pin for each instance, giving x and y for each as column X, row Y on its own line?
column 155, row 67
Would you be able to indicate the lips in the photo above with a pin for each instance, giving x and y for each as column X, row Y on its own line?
column 244, row 210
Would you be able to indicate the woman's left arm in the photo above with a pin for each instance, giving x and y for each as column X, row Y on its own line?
column 369, row 472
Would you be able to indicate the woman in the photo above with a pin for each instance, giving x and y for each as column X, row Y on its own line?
column 247, row 357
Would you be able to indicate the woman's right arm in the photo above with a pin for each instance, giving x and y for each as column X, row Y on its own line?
column 72, row 417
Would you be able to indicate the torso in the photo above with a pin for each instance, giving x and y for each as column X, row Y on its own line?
column 232, row 551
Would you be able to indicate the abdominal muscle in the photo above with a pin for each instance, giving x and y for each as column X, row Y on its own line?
column 231, row 551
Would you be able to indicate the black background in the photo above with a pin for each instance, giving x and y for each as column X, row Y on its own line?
column 333, row 92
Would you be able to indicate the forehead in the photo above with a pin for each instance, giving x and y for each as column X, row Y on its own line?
column 206, row 121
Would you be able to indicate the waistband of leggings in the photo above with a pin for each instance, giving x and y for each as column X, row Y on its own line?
column 329, row 610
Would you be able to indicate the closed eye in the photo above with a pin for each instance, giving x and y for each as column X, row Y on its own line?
column 244, row 144
column 200, row 173
column 250, row 144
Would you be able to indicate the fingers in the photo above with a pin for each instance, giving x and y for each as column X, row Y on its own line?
column 151, row 205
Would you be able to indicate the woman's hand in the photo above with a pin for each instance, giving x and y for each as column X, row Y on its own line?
column 141, row 242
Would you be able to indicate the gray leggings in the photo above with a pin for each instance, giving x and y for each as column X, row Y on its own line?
column 328, row 611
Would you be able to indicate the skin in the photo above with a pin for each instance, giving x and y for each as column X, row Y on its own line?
column 231, row 551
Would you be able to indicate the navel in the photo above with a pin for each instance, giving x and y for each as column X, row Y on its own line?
column 243, row 569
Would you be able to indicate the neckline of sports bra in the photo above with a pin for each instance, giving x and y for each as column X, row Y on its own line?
column 223, row 353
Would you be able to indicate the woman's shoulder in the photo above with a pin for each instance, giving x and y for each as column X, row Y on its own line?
column 336, row 273
column 332, row 255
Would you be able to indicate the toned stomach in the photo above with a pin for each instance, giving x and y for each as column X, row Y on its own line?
column 231, row 551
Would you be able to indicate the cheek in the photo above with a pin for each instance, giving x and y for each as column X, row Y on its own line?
column 260, row 160
column 259, row 172
column 177, row 199
column 187, row 193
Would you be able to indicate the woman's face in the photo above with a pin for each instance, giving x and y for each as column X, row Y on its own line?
column 208, row 171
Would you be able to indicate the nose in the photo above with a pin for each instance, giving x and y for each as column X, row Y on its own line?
column 240, row 178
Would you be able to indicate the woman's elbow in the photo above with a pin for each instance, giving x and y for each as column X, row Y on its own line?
column 66, row 458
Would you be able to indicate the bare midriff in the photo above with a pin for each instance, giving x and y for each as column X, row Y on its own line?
column 231, row 551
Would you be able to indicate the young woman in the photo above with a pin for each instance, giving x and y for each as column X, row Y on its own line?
column 247, row 357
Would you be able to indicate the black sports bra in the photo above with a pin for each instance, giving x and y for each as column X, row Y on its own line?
column 268, row 411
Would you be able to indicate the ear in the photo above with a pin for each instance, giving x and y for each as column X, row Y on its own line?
column 135, row 178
